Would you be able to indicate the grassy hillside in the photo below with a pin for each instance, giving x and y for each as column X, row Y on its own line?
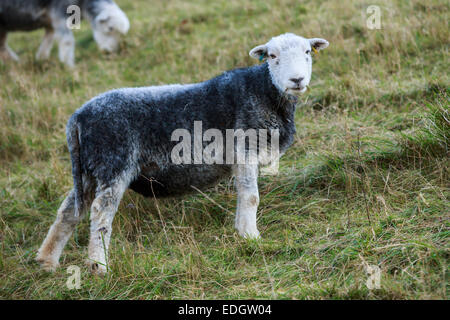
column 366, row 181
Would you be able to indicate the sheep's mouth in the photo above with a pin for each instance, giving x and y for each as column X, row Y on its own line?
column 299, row 89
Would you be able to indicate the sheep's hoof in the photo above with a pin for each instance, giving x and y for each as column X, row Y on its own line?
column 96, row 268
column 249, row 234
column 252, row 236
column 46, row 264
column 8, row 54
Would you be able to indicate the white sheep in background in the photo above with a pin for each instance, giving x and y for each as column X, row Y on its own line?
column 108, row 22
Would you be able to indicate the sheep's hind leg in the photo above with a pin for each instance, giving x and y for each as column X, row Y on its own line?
column 103, row 210
column 5, row 50
column 61, row 230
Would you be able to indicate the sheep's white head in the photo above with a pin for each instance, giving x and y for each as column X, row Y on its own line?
column 289, row 59
column 109, row 25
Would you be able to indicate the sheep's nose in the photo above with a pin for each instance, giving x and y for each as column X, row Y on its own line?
column 297, row 80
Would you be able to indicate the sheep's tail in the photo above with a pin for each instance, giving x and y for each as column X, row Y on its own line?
column 73, row 141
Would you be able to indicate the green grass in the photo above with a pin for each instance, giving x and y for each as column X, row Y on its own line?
column 366, row 181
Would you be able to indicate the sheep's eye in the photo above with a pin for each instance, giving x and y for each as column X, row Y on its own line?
column 308, row 52
column 273, row 56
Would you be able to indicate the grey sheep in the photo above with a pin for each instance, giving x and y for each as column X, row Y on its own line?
column 124, row 139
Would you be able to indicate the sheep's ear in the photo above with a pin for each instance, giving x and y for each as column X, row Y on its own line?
column 259, row 52
column 318, row 43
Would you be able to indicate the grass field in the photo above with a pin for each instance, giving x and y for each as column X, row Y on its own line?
column 366, row 182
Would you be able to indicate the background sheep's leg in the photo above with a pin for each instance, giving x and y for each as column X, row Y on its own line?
column 5, row 50
column 247, row 200
column 66, row 42
column 3, row 36
column 103, row 210
column 59, row 233
column 46, row 45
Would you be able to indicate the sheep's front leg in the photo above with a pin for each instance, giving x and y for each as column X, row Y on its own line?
column 103, row 210
column 247, row 200
column 46, row 45
column 66, row 42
